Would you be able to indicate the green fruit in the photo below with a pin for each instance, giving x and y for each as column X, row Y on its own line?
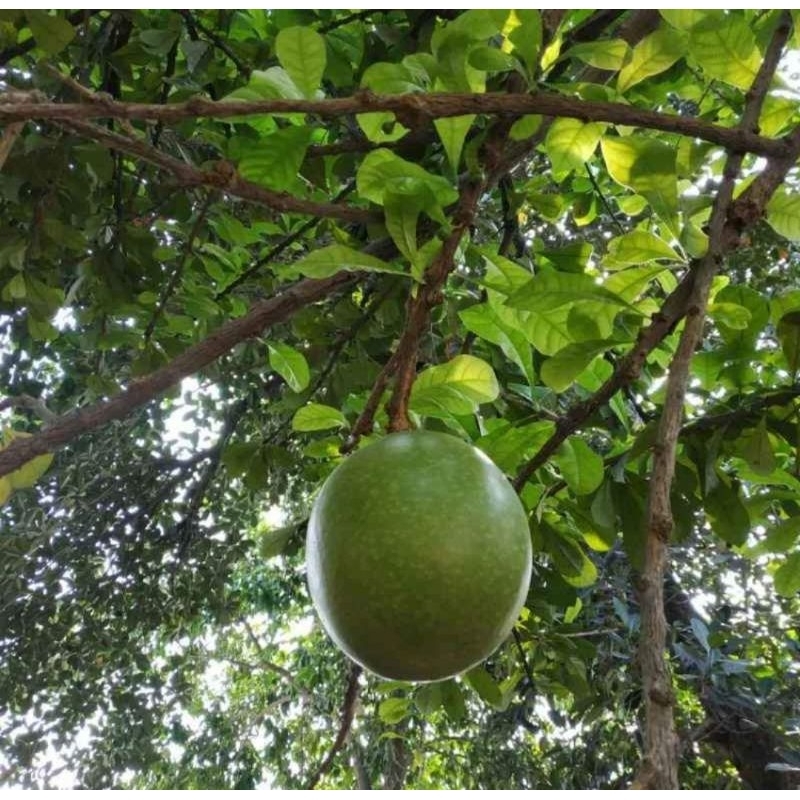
column 419, row 556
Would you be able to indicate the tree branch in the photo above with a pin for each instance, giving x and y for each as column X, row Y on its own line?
column 262, row 314
column 223, row 177
column 659, row 768
column 348, row 712
column 417, row 108
column 218, row 42
column 188, row 249
column 743, row 213
column 35, row 404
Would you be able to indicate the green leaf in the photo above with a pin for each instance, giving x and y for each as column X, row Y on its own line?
column 756, row 449
column 573, row 257
column 652, row 56
column 637, row 247
column 777, row 539
column 456, row 388
column 275, row 159
column 736, row 326
column 480, row 680
column 290, row 364
column 29, row 473
column 630, row 283
column 402, row 213
column 646, row 166
column 525, row 127
column 428, row 697
column 560, row 371
column 52, row 33
column 452, row 133
column 776, row 114
column 453, row 701
column 317, row 417
column 490, row 59
column 301, row 52
column 273, row 543
column 381, row 127
column 509, row 446
column 550, row 290
column 334, row 258
column 393, row 710
column 731, row 315
column 727, row 514
column 605, row 54
column 527, row 36
column 485, row 321
column 273, row 83
column 579, row 465
column 15, row 288
column 788, row 330
column 570, row 143
column 386, row 78
column 787, row 576
column 783, row 214
column 382, row 170
column 724, row 46
column 568, row 556
column 237, row 457
column 503, row 274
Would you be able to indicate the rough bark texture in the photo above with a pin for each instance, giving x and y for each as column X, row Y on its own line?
column 661, row 757
column 412, row 110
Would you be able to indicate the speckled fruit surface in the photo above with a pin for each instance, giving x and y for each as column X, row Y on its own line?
column 419, row 556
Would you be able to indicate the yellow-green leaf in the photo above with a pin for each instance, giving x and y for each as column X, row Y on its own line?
column 455, row 388
column 301, row 52
column 652, row 56
column 290, row 364
column 783, row 214
column 337, row 257
column 317, row 417
column 724, row 46
column 52, row 33
column 570, row 143
column 607, row 54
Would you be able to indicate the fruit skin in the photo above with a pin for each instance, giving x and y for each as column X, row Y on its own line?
column 418, row 556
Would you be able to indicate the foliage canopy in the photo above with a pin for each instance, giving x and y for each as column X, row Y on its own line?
column 235, row 245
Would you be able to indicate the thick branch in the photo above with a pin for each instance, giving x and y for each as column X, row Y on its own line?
column 262, row 315
column 661, row 755
column 417, row 109
column 223, row 177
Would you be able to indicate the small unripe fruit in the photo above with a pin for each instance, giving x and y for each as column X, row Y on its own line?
column 419, row 556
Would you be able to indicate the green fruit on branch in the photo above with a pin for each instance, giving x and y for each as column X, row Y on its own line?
column 419, row 556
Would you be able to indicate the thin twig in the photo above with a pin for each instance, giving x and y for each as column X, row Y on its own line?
column 219, row 43
column 188, row 249
column 348, row 712
column 285, row 242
